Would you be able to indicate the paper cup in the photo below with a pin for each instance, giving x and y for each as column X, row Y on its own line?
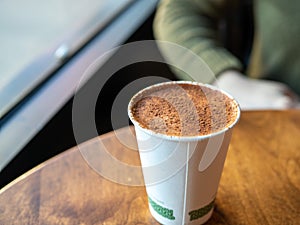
column 181, row 173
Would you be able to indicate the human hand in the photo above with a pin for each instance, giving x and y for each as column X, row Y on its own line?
column 255, row 94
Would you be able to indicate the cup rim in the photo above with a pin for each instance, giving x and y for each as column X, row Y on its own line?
column 136, row 96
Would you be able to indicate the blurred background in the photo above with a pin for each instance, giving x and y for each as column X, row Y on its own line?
column 45, row 49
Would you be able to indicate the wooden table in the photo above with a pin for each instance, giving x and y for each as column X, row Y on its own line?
column 260, row 182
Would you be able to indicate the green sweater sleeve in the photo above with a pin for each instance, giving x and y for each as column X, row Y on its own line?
column 193, row 25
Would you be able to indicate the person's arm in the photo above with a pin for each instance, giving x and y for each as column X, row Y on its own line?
column 193, row 24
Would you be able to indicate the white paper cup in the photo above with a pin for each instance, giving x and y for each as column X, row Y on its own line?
column 181, row 173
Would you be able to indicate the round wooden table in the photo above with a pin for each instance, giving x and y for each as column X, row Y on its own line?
column 260, row 183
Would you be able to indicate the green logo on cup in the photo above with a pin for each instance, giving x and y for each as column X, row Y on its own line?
column 167, row 213
column 196, row 214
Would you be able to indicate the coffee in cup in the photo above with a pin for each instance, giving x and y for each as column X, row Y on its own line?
column 183, row 130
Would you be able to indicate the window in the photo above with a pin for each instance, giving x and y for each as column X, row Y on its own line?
column 45, row 48
column 36, row 36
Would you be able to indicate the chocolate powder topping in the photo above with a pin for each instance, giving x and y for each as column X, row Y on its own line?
column 184, row 110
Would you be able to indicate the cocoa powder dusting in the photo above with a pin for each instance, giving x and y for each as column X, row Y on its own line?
column 184, row 110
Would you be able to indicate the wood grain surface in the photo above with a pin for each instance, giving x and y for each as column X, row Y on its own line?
column 260, row 183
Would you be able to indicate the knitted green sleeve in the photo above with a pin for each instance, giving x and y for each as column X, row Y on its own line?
column 193, row 25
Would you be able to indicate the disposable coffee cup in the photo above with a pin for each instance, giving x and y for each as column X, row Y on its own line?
column 182, row 170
